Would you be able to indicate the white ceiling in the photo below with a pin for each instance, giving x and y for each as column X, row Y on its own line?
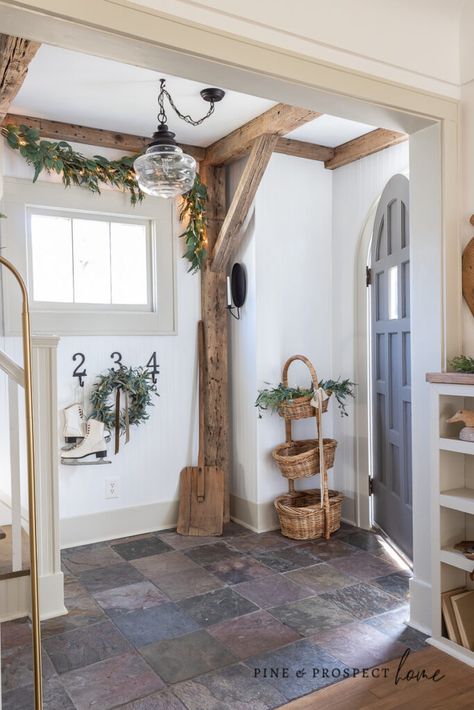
column 68, row 86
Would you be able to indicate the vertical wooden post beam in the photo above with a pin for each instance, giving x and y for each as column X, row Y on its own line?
column 215, row 317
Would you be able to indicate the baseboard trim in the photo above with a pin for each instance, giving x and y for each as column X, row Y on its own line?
column 420, row 605
column 258, row 517
column 120, row 522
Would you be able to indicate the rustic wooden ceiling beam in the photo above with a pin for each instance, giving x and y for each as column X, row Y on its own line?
column 301, row 149
column 92, row 136
column 231, row 230
column 279, row 120
column 363, row 146
column 15, row 56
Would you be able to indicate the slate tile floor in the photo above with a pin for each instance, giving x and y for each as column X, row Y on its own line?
column 164, row 622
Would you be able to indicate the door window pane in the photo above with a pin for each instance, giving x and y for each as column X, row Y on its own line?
column 128, row 263
column 393, row 293
column 51, row 247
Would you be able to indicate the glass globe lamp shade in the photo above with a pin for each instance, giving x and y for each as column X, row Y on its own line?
column 165, row 171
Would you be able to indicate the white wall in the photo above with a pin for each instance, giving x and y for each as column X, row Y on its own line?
column 148, row 467
column 287, row 254
column 355, row 188
column 408, row 41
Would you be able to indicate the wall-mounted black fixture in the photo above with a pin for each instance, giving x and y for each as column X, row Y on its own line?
column 236, row 290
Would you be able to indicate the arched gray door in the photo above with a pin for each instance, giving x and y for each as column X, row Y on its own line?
column 390, row 350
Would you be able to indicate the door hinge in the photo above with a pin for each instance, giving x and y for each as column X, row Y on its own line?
column 371, row 486
column 368, row 276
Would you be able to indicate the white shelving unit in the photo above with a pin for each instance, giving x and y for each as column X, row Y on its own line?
column 452, row 499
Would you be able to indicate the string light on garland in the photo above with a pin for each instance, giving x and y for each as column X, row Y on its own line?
column 75, row 169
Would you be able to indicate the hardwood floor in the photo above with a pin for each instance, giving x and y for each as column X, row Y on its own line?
column 455, row 690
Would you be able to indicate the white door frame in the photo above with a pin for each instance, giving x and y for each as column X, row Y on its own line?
column 117, row 29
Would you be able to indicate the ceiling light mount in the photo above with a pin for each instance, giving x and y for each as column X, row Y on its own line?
column 164, row 170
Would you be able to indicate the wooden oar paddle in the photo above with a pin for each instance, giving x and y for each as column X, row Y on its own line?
column 201, row 488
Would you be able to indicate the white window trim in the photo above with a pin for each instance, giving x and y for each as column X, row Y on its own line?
column 21, row 195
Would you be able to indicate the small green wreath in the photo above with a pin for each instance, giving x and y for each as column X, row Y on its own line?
column 136, row 384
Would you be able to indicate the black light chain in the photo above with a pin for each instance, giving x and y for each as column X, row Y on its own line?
column 187, row 118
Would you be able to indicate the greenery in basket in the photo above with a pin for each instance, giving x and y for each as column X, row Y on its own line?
column 271, row 398
column 462, row 363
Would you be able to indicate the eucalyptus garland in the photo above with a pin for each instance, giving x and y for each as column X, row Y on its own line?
column 75, row 169
column 136, row 382
column 193, row 211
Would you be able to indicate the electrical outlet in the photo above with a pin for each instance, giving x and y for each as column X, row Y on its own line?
column 112, row 487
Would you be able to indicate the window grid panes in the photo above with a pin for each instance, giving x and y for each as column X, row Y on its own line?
column 90, row 261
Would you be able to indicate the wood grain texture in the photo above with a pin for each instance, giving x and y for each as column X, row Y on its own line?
column 468, row 275
column 455, row 690
column 60, row 131
column 229, row 236
column 301, row 149
column 15, row 56
column 365, row 145
column 215, row 316
column 196, row 516
column 280, row 119
column 450, row 378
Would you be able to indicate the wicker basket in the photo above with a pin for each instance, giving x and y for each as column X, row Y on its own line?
column 300, row 459
column 302, row 518
column 301, row 407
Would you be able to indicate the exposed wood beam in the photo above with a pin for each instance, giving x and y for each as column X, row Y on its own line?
column 15, row 56
column 301, row 149
column 365, row 145
column 229, row 235
column 92, row 136
column 279, row 120
column 216, row 322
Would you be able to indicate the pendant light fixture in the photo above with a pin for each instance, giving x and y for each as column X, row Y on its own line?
column 164, row 170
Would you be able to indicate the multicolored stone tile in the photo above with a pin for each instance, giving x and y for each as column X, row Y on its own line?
column 396, row 584
column 362, row 600
column 286, row 559
column 255, row 542
column 238, row 569
column 155, row 624
column 302, row 668
column 82, row 611
column 54, row 697
column 252, row 634
column 211, row 608
column 273, row 591
column 309, row 616
column 15, row 633
column 363, row 539
column 207, row 554
column 83, row 647
column 189, row 583
column 320, row 578
column 163, row 700
column 185, row 542
column 102, row 578
column 327, row 550
column 231, row 688
column 363, row 566
column 111, row 683
column 157, row 565
column 394, row 625
column 187, row 656
column 87, row 557
column 145, row 547
column 131, row 597
column 17, row 667
column 359, row 645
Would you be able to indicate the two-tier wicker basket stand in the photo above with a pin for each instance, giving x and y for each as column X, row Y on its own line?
column 312, row 513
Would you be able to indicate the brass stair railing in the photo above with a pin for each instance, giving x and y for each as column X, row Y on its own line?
column 30, row 449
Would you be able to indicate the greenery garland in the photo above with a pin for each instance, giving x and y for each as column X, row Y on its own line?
column 76, row 169
column 133, row 380
column 270, row 398
column 462, row 363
